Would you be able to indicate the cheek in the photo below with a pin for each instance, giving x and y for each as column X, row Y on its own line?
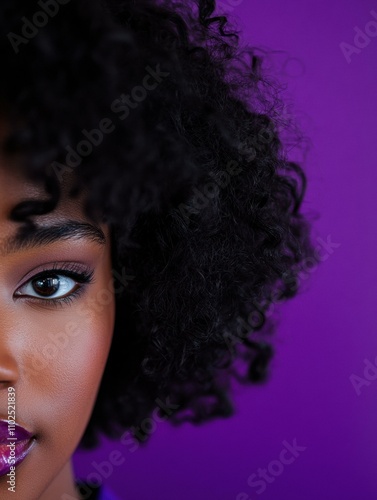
column 79, row 372
column 68, row 382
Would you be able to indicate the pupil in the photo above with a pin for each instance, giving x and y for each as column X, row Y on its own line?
column 46, row 286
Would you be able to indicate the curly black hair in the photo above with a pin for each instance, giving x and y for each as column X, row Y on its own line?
column 157, row 112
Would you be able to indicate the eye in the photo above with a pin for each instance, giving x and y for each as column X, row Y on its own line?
column 55, row 285
column 50, row 286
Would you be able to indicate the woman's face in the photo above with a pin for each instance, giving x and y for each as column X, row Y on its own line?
column 55, row 335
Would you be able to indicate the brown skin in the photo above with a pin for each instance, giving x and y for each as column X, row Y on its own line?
column 55, row 397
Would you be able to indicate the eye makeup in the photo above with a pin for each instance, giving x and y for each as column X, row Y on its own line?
column 51, row 276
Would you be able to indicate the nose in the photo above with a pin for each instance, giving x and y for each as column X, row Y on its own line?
column 8, row 366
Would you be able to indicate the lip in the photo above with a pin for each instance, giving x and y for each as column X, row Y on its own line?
column 15, row 444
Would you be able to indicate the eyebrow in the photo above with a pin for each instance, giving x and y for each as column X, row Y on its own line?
column 45, row 235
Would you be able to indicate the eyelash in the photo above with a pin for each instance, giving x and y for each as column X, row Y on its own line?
column 70, row 270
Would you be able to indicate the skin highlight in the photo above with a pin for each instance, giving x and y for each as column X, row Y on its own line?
column 54, row 399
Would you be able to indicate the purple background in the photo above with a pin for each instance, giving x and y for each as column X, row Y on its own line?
column 325, row 333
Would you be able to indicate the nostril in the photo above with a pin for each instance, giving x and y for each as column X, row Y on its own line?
column 5, row 385
column 8, row 369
